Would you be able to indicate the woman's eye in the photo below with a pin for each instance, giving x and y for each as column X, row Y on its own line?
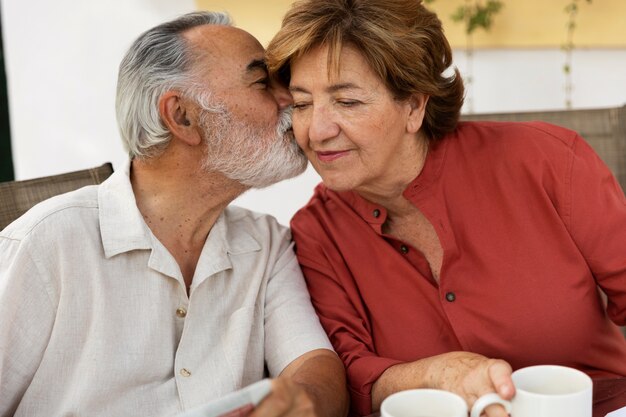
column 300, row 106
column 347, row 103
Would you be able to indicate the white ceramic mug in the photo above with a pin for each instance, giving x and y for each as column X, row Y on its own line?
column 423, row 403
column 545, row 391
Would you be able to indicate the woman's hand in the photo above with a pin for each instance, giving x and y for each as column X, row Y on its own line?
column 467, row 374
column 471, row 376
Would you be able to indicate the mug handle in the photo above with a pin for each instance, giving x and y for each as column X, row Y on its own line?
column 486, row 400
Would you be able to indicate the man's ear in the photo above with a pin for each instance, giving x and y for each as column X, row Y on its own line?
column 417, row 103
column 177, row 117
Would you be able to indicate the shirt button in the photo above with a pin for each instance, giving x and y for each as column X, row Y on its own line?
column 404, row 249
column 181, row 312
column 376, row 213
column 185, row 372
column 450, row 296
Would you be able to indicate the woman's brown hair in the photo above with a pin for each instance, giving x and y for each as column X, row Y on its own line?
column 402, row 41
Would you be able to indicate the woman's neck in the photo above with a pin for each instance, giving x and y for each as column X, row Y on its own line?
column 389, row 193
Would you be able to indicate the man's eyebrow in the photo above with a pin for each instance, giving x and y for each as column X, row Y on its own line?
column 331, row 89
column 256, row 64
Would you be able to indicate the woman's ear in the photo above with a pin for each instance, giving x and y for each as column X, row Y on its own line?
column 417, row 103
column 178, row 118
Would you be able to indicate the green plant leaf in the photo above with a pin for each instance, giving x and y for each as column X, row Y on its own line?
column 459, row 14
column 477, row 16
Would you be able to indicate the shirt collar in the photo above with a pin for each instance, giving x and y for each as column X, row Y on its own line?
column 122, row 226
column 431, row 171
column 375, row 214
column 228, row 237
column 123, row 229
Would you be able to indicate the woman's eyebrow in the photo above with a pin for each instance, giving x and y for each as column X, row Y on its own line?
column 330, row 89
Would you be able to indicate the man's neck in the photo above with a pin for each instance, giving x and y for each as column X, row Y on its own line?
column 180, row 204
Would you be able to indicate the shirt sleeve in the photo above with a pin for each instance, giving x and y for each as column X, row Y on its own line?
column 27, row 318
column 337, row 302
column 598, row 225
column 291, row 326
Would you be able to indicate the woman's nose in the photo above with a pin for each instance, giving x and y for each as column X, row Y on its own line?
column 321, row 125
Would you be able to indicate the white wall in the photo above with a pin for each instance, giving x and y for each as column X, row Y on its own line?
column 62, row 60
column 514, row 80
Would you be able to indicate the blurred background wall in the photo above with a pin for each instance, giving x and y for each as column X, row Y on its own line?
column 61, row 62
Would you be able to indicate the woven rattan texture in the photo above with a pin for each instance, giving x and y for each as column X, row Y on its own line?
column 16, row 197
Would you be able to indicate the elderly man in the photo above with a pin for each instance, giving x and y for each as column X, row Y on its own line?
column 148, row 295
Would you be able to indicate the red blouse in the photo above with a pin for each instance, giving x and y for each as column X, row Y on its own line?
column 530, row 221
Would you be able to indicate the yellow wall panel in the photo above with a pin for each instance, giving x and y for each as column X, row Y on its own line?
column 520, row 23
column 262, row 18
column 542, row 23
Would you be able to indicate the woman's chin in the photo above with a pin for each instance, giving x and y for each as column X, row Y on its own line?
column 337, row 183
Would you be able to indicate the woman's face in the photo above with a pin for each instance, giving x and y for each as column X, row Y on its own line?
column 356, row 135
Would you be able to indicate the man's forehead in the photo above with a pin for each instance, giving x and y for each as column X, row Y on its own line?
column 226, row 57
column 224, row 42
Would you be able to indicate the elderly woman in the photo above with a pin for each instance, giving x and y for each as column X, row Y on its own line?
column 434, row 246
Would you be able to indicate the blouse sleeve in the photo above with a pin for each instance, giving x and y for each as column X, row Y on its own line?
column 342, row 314
column 598, row 225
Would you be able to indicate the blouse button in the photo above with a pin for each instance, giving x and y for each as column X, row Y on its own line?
column 185, row 372
column 404, row 249
column 376, row 213
column 450, row 296
column 181, row 312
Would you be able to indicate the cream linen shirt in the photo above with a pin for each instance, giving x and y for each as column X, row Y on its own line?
column 95, row 319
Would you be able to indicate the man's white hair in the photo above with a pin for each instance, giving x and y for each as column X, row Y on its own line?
column 159, row 60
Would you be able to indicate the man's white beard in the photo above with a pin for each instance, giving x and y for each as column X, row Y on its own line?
column 254, row 156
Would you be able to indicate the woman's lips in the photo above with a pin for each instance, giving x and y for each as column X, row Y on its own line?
column 330, row 156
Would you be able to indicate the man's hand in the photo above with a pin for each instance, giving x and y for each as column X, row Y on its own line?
column 313, row 385
column 287, row 399
column 244, row 411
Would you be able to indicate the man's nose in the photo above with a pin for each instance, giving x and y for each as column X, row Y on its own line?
column 282, row 95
